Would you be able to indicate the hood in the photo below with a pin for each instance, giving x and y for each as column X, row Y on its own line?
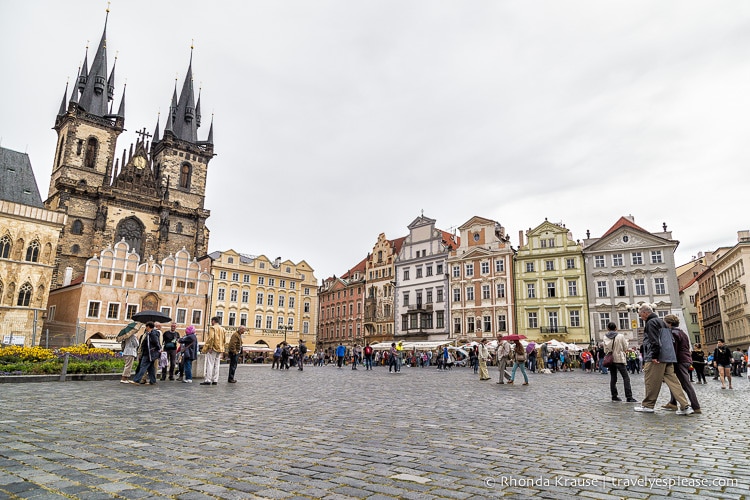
column 611, row 335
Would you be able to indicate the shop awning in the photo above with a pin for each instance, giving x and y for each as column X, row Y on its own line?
column 112, row 345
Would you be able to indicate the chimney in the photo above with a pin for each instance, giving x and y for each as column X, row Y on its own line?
column 520, row 238
column 68, row 276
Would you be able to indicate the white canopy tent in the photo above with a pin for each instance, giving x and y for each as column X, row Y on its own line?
column 412, row 346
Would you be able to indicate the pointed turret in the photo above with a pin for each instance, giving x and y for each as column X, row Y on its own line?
column 95, row 97
column 63, row 104
column 156, row 131
column 210, row 139
column 184, row 120
column 198, row 111
column 121, row 110
column 83, row 71
column 111, row 82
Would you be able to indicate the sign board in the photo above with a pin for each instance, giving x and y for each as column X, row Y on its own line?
column 17, row 339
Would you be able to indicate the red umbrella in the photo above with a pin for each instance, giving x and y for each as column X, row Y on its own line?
column 513, row 337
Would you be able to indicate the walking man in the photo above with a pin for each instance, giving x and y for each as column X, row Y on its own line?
column 340, row 353
column 170, row 338
column 483, row 355
column 502, row 354
column 368, row 357
column 150, row 352
column 302, row 353
column 659, row 357
column 234, row 349
column 212, row 348
column 682, row 367
column 616, row 344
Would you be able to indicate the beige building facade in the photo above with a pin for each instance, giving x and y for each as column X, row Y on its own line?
column 732, row 282
column 116, row 285
column 274, row 300
column 379, row 320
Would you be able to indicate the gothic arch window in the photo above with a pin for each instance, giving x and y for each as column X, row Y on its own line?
column 131, row 229
column 92, row 147
column 24, row 295
column 60, row 149
column 75, row 249
column 179, row 228
column 32, row 252
column 186, row 171
column 5, row 245
column 77, row 227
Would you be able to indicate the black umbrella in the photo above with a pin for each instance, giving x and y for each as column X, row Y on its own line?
column 146, row 316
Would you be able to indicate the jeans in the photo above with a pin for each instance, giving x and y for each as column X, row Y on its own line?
column 683, row 373
column 233, row 359
column 188, row 366
column 146, row 365
column 368, row 362
column 521, row 365
column 619, row 367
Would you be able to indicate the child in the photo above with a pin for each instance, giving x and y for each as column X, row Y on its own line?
column 163, row 364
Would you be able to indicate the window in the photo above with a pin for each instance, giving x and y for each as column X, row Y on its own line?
column 306, row 306
column 292, row 285
column 598, row 260
column 32, row 253
column 470, row 324
column 243, row 319
column 167, row 311
column 440, row 319
column 485, row 268
column 180, row 317
column 271, row 281
column 617, row 260
column 428, row 271
column 550, row 289
column 258, row 321
column 259, row 299
column 456, row 295
column 623, row 319
column 694, row 318
column 500, row 288
column 570, row 263
column 24, row 296
column 438, row 269
column 572, row 288
column 221, row 294
column 533, row 320
column 261, row 280
column 282, row 283
column 105, row 275
column 93, row 310
column 185, row 174
column 549, row 265
column 281, row 301
column 419, row 299
column 406, row 275
column 575, row 319
column 529, row 267
column 131, row 310
column 197, row 317
column 601, row 288
column 620, row 288
column 552, row 320
column 530, row 290
column 419, row 272
column 5, row 246
column 246, row 278
column 235, row 276
column 603, row 320
column 429, row 295
column 499, row 266
column 486, row 294
column 113, row 311
column 640, row 286
column 656, row 257
column 487, row 326
column 636, row 258
column 269, row 322
column 439, row 294
column 232, row 319
column 470, row 292
column 412, row 321
column 291, row 303
column 233, row 295
column 502, row 324
column 659, row 288
column 305, row 327
column 222, row 275
column 270, row 299
column 245, row 296
column 406, row 298
column 456, row 271
column 77, row 227
column 92, row 147
column 425, row 320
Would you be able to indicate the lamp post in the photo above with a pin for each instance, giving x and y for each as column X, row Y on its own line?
column 286, row 328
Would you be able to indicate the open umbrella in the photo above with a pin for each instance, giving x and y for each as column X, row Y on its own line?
column 146, row 316
column 131, row 326
column 511, row 338
column 530, row 347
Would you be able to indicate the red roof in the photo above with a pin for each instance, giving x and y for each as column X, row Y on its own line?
column 359, row 267
column 624, row 222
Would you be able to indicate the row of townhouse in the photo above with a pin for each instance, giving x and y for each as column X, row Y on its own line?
column 434, row 285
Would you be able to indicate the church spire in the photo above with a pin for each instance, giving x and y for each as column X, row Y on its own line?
column 210, row 139
column 63, row 104
column 95, row 95
column 156, row 130
column 121, row 110
column 185, row 125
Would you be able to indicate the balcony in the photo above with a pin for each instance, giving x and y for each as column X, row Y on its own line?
column 419, row 306
column 553, row 330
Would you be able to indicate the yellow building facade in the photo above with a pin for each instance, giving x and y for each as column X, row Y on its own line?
column 275, row 301
column 551, row 299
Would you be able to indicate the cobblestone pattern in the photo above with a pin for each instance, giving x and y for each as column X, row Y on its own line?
column 337, row 434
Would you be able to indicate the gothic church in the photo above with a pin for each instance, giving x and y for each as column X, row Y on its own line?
column 152, row 196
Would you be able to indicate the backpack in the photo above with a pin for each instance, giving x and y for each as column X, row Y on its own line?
column 303, row 349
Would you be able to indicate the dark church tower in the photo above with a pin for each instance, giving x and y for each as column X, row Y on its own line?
column 153, row 197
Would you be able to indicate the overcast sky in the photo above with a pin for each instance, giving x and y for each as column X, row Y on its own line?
column 338, row 120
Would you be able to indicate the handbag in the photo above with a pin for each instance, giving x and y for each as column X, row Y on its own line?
column 608, row 361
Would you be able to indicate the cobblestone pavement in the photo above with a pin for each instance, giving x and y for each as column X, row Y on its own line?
column 336, row 433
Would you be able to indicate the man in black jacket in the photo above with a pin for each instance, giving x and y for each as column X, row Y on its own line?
column 150, row 352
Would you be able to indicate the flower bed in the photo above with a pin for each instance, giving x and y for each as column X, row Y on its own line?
column 15, row 360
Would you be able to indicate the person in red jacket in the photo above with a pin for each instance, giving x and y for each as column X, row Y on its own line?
column 368, row 356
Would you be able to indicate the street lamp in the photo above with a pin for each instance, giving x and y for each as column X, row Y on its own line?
column 286, row 328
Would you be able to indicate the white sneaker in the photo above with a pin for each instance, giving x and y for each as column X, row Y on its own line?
column 643, row 409
column 187, row 381
column 685, row 411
